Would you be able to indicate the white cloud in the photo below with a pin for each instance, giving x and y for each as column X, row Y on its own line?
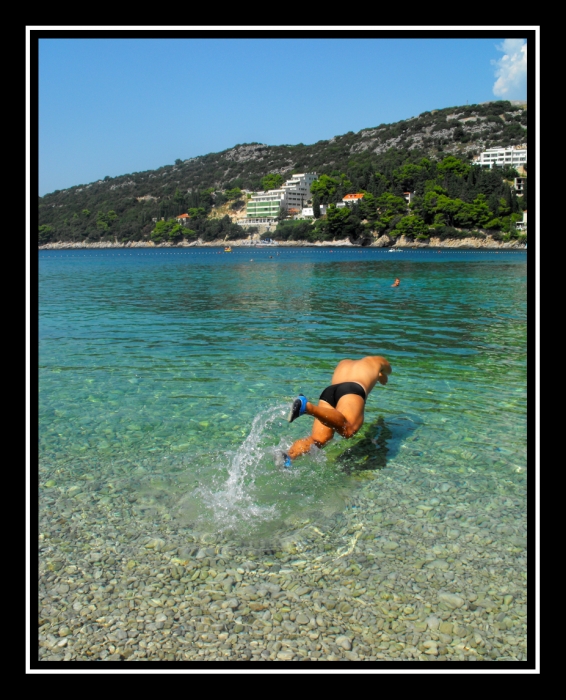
column 511, row 70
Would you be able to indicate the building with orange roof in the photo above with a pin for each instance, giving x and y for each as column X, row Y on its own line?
column 183, row 218
column 353, row 198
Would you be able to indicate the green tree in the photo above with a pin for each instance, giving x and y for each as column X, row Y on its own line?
column 453, row 165
column 316, row 207
column 325, row 188
column 176, row 231
column 197, row 212
column 480, row 211
column 272, row 181
column 160, row 231
column 336, row 220
column 45, row 233
column 412, row 225
column 406, row 176
column 234, row 193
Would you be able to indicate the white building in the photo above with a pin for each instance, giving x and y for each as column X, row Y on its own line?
column 264, row 207
column 308, row 212
column 502, row 156
column 298, row 190
column 522, row 225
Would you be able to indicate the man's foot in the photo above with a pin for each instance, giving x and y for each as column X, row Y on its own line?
column 298, row 408
column 282, row 459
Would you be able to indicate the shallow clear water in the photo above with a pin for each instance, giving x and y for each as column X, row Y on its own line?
column 167, row 532
column 171, row 371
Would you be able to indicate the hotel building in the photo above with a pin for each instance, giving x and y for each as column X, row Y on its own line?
column 264, row 207
column 515, row 157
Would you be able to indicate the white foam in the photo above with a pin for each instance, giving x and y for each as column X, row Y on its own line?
column 235, row 500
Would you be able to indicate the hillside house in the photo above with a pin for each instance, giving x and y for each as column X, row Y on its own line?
column 512, row 156
column 352, row 198
column 308, row 212
column 522, row 225
column 265, row 207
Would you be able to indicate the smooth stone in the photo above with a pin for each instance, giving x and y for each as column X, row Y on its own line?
column 431, row 647
column 432, row 622
column 441, row 564
column 302, row 619
column 390, row 546
column 344, row 642
column 446, row 627
column 285, row 655
column 451, row 600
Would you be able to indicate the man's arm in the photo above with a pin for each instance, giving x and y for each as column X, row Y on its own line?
column 385, row 370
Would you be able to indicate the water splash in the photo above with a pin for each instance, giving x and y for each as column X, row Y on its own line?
column 236, row 500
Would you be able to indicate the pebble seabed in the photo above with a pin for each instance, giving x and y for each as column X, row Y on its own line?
column 418, row 565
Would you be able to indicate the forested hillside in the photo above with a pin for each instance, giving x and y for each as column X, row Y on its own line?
column 430, row 154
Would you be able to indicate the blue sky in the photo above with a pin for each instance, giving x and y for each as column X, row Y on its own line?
column 115, row 106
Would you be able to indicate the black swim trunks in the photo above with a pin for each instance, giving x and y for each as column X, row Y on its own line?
column 333, row 393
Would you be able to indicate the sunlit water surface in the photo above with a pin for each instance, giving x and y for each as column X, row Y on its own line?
column 165, row 377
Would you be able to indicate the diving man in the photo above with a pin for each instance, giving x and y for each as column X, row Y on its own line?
column 341, row 405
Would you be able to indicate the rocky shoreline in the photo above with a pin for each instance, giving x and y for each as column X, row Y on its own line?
column 411, row 570
column 383, row 242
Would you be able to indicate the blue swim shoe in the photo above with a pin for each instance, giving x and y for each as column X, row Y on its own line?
column 298, row 408
column 282, row 459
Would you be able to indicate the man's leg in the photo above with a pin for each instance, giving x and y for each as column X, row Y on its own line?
column 346, row 419
column 320, row 435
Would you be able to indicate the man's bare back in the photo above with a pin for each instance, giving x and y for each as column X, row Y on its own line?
column 367, row 372
column 341, row 405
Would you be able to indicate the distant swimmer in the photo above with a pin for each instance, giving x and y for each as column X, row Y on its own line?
column 340, row 406
column 396, row 283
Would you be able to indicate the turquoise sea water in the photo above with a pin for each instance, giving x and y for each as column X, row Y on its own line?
column 166, row 376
